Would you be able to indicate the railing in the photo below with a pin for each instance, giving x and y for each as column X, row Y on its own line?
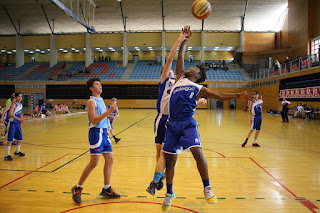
column 299, row 64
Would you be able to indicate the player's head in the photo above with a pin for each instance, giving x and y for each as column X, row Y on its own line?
column 197, row 74
column 13, row 95
column 94, row 86
column 284, row 99
column 18, row 96
column 113, row 100
column 256, row 96
column 13, row 99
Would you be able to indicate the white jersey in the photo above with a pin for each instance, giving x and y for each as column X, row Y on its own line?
column 256, row 109
column 164, row 96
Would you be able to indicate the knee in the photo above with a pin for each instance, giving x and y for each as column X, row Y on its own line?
column 93, row 163
column 109, row 160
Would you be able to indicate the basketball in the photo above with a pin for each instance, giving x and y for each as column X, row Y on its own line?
column 201, row 9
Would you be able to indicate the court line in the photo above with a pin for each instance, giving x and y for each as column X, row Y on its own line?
column 70, row 161
column 303, row 200
column 17, row 170
column 214, row 151
column 260, row 130
column 123, row 202
column 31, row 172
column 148, row 115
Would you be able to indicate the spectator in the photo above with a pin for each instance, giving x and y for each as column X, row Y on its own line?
column 299, row 111
column 278, row 65
column 288, row 62
column 309, row 112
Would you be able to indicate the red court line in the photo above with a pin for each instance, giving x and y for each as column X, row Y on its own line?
column 306, row 203
column 97, row 204
column 215, row 152
column 31, row 172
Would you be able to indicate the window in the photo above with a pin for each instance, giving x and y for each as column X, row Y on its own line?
column 315, row 45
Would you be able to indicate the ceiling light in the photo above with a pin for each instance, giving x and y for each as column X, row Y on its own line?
column 42, row 51
column 113, row 50
column 37, row 50
column 77, row 51
column 31, row 52
column 110, row 48
column 26, row 50
column 84, row 48
column 73, row 48
column 48, row 49
column 137, row 47
column 3, row 51
column 9, row 52
column 65, row 51
column 13, row 50
column 121, row 47
column 98, row 48
column 61, row 49
column 150, row 47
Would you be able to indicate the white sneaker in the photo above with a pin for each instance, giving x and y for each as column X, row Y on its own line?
column 166, row 206
column 209, row 196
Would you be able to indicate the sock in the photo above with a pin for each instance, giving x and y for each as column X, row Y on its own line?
column 163, row 174
column 79, row 185
column 157, row 176
column 18, row 148
column 8, row 150
column 246, row 140
column 106, row 186
column 205, row 183
column 169, row 189
column 255, row 141
column 114, row 137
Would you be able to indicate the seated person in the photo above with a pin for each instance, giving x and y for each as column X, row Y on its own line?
column 299, row 111
column 309, row 112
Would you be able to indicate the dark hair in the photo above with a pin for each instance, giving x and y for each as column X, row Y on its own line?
column 256, row 92
column 90, row 83
column 12, row 98
column 17, row 94
column 203, row 73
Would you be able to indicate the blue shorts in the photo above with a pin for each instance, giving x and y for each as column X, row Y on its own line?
column 180, row 136
column 99, row 141
column 110, row 127
column 160, row 128
column 256, row 123
column 14, row 132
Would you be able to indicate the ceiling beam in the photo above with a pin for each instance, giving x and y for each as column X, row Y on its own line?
column 5, row 9
column 124, row 19
column 244, row 15
column 45, row 14
column 162, row 15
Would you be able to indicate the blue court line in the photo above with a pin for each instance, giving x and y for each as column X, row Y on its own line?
column 260, row 130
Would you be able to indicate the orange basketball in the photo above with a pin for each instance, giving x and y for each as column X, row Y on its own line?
column 201, row 9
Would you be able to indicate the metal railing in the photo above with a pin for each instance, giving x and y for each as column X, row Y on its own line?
column 299, row 64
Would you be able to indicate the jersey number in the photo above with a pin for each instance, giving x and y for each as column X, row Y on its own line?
column 191, row 95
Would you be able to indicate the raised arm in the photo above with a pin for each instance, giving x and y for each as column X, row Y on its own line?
column 205, row 92
column 173, row 51
column 180, row 62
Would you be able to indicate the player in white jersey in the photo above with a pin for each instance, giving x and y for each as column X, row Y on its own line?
column 167, row 81
column 182, row 130
column 99, row 141
column 255, row 120
column 14, row 127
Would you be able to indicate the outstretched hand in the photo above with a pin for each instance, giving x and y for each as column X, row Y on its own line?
column 113, row 107
column 186, row 32
column 246, row 96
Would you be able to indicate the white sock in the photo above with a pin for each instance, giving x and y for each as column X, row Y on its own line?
column 106, row 186
column 18, row 148
column 254, row 142
column 79, row 185
column 8, row 150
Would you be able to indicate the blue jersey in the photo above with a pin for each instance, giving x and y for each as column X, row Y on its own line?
column 43, row 107
column 183, row 99
column 256, row 109
column 100, row 108
column 164, row 96
column 17, row 112
column 112, row 113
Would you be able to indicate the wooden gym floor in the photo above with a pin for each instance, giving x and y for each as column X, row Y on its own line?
column 281, row 176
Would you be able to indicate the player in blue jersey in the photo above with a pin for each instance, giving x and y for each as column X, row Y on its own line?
column 182, row 130
column 14, row 127
column 167, row 80
column 99, row 141
column 111, row 118
column 5, row 120
column 255, row 120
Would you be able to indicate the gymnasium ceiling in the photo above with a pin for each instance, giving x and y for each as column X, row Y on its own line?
column 142, row 15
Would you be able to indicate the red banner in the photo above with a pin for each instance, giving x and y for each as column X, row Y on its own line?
column 309, row 92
